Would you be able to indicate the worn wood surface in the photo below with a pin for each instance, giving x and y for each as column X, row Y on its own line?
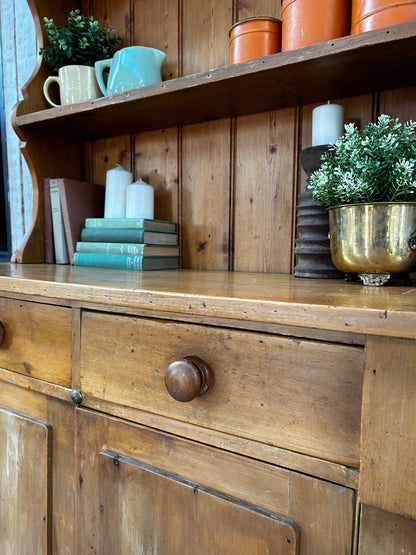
column 25, row 488
column 38, row 340
column 303, row 396
column 40, row 429
column 247, row 297
column 384, row 533
column 274, row 489
column 388, row 470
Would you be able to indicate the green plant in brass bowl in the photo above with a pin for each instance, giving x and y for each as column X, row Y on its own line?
column 368, row 181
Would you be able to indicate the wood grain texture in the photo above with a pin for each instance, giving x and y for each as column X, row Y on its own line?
column 25, row 488
column 41, row 413
column 302, row 396
column 205, row 196
column 38, row 340
column 205, row 520
column 385, row 533
column 266, row 486
column 263, row 191
column 246, row 297
column 388, row 431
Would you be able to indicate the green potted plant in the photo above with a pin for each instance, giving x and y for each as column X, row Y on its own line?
column 72, row 51
column 368, row 182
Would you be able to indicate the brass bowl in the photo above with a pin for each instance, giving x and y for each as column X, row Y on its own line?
column 377, row 238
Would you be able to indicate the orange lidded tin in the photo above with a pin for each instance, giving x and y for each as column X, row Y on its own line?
column 254, row 37
column 306, row 22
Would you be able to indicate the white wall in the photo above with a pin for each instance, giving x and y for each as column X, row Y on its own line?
column 19, row 51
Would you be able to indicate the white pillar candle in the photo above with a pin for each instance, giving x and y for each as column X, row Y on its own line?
column 140, row 200
column 327, row 124
column 117, row 181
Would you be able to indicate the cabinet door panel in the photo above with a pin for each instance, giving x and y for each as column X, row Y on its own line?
column 25, row 475
column 137, row 486
column 147, row 509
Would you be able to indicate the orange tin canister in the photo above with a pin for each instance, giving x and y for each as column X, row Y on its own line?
column 306, row 22
column 367, row 15
column 254, row 37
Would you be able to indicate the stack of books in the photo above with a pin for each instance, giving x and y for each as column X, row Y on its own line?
column 128, row 243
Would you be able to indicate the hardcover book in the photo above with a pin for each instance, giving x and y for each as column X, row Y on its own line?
column 47, row 223
column 129, row 236
column 79, row 200
column 128, row 248
column 131, row 223
column 126, row 261
column 59, row 239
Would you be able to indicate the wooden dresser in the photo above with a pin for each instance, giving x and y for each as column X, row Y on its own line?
column 304, row 441
column 298, row 434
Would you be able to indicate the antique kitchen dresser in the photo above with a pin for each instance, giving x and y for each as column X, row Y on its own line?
column 297, row 434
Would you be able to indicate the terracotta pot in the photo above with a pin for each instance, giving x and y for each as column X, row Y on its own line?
column 254, row 37
column 373, row 14
column 307, row 22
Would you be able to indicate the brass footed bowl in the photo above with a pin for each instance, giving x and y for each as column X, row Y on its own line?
column 377, row 238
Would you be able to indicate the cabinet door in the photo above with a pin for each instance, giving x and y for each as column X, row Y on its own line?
column 25, row 474
column 36, row 471
column 143, row 491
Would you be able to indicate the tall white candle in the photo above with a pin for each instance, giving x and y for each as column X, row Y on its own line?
column 327, row 124
column 140, row 200
column 117, row 181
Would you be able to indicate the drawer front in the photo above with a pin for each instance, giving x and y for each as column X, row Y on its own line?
column 37, row 340
column 300, row 395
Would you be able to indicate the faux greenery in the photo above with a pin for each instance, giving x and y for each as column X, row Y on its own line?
column 377, row 164
column 81, row 41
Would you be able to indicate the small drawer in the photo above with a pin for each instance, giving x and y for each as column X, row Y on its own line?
column 37, row 340
column 297, row 394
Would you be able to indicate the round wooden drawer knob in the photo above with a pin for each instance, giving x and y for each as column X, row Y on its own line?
column 2, row 333
column 188, row 378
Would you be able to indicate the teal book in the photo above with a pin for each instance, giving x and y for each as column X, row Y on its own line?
column 131, row 223
column 128, row 248
column 129, row 236
column 126, row 261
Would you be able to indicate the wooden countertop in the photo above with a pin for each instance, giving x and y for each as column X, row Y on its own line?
column 271, row 298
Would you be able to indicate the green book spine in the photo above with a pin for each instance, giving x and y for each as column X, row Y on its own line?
column 125, row 261
column 129, row 236
column 130, row 223
column 128, row 248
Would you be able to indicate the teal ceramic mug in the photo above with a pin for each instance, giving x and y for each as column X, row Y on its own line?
column 130, row 68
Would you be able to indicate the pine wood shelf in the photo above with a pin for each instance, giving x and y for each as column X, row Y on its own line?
column 348, row 66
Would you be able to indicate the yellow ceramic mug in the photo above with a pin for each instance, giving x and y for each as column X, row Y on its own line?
column 76, row 84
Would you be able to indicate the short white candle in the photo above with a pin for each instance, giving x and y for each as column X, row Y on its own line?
column 117, row 181
column 140, row 200
column 327, row 124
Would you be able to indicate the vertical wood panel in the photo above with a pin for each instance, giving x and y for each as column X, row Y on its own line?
column 206, row 147
column 205, row 34
column 156, row 161
column 252, row 8
column 205, row 195
column 104, row 154
column 265, row 146
column 388, row 434
column 399, row 103
column 156, row 24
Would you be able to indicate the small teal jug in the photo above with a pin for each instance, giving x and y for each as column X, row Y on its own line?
column 130, row 68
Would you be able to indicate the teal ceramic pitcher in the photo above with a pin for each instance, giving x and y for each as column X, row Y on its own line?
column 130, row 68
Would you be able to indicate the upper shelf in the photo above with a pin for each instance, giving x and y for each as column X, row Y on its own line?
column 348, row 66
